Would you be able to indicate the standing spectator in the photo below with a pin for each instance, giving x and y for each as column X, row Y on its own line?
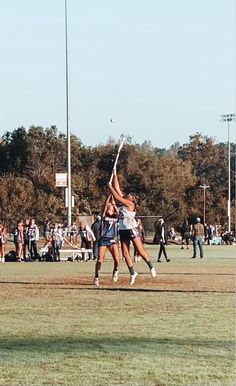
column 87, row 238
column 26, row 239
column 18, row 235
column 46, row 229
column 95, row 227
column 160, row 239
column 140, row 228
column 210, row 230
column 198, row 236
column 57, row 241
column 33, row 234
column 185, row 234
column 206, row 233
column 73, row 233
column 3, row 239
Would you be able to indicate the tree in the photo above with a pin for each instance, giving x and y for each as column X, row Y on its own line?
column 17, row 198
column 209, row 162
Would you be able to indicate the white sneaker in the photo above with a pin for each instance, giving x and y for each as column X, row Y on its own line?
column 115, row 276
column 153, row 272
column 96, row 281
column 132, row 278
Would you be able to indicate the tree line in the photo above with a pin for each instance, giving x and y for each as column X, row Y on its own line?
column 166, row 181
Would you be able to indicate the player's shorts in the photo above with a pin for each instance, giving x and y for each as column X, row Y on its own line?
column 106, row 242
column 128, row 234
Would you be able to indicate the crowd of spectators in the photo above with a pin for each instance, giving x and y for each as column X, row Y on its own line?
column 25, row 236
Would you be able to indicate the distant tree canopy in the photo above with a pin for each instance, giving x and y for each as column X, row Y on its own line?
column 166, row 181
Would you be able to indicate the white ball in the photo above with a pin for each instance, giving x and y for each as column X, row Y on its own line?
column 112, row 120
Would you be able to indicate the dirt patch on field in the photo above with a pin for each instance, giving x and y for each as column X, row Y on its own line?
column 222, row 283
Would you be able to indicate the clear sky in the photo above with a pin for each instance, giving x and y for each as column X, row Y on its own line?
column 163, row 69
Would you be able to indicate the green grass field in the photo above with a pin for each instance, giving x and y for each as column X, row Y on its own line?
column 176, row 329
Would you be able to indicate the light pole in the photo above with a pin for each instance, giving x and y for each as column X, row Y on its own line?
column 228, row 118
column 204, row 187
column 68, row 190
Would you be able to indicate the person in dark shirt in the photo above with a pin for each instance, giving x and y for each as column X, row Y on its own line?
column 185, row 234
column 160, row 239
column 95, row 227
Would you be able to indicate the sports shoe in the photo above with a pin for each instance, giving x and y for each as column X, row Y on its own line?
column 153, row 272
column 133, row 277
column 168, row 260
column 96, row 282
column 115, row 276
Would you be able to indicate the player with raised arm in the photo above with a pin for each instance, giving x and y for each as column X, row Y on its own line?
column 108, row 238
column 128, row 230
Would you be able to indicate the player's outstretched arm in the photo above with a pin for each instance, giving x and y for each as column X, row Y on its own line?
column 120, row 198
column 105, row 205
column 115, row 184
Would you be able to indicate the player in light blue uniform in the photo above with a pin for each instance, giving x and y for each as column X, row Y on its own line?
column 108, row 238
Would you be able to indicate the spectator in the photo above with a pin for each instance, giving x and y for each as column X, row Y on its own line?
column 18, row 235
column 210, row 235
column 185, row 234
column 171, row 234
column 198, row 236
column 87, row 238
column 228, row 237
column 46, row 229
column 3, row 239
column 33, row 235
column 160, row 238
column 57, row 241
column 140, row 228
column 26, row 239
column 206, row 232
column 95, row 227
column 73, row 233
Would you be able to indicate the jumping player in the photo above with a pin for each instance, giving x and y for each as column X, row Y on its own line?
column 128, row 228
column 108, row 238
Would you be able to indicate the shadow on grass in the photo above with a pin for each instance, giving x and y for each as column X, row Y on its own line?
column 91, row 287
column 106, row 344
column 154, row 290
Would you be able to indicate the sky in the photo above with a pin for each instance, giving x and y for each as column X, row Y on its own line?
column 162, row 70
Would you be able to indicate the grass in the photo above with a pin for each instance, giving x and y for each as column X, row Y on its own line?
column 177, row 329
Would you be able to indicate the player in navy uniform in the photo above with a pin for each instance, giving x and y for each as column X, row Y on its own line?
column 128, row 228
column 108, row 238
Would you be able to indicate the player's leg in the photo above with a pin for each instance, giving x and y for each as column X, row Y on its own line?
column 143, row 253
column 116, row 257
column 101, row 256
column 125, row 247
